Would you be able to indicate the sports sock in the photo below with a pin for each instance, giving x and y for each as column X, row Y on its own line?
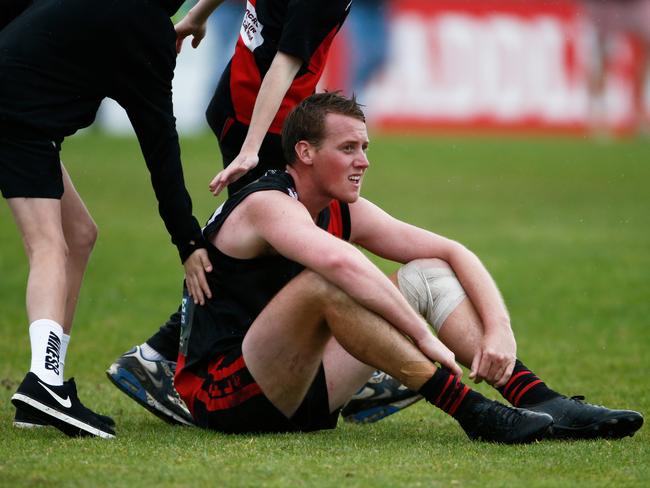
column 45, row 338
column 65, row 340
column 150, row 353
column 448, row 393
column 525, row 388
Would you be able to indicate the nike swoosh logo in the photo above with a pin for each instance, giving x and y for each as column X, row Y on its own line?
column 65, row 402
column 158, row 383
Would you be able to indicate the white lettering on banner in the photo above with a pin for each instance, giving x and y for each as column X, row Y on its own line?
column 251, row 29
column 500, row 67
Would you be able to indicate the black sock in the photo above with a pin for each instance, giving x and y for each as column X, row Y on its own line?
column 448, row 393
column 524, row 388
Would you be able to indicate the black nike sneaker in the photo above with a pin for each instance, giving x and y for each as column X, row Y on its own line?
column 576, row 419
column 490, row 421
column 60, row 407
column 151, row 384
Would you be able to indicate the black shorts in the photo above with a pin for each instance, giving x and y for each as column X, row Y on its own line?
column 229, row 400
column 30, row 168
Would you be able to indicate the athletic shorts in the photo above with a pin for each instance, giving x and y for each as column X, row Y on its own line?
column 229, row 400
column 30, row 168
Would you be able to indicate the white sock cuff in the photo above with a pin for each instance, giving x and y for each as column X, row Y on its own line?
column 150, row 353
column 45, row 338
column 46, row 324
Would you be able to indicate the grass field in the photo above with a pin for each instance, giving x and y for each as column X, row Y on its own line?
column 562, row 224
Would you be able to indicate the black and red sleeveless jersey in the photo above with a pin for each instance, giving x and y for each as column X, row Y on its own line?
column 241, row 288
column 301, row 28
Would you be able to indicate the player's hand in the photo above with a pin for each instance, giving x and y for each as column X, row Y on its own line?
column 187, row 27
column 495, row 358
column 241, row 165
column 196, row 265
column 437, row 351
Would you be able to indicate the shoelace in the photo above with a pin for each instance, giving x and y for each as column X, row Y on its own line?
column 506, row 415
column 581, row 399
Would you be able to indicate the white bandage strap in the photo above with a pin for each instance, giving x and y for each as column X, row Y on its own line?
column 433, row 291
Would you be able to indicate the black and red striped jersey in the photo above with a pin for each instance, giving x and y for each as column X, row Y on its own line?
column 241, row 288
column 301, row 28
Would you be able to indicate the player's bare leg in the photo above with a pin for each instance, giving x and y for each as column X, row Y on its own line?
column 287, row 342
column 39, row 221
column 40, row 226
column 345, row 373
column 80, row 232
column 463, row 331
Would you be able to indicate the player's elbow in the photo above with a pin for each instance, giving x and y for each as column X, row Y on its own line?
column 454, row 250
column 343, row 267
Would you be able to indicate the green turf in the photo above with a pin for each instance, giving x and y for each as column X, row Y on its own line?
column 563, row 225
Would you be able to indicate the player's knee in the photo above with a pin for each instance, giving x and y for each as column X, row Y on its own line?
column 431, row 288
column 83, row 238
column 321, row 288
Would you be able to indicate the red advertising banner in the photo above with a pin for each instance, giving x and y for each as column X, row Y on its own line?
column 492, row 64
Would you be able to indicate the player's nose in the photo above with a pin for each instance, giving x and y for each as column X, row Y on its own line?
column 361, row 161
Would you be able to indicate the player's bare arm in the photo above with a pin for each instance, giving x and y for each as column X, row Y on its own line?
column 390, row 238
column 260, row 228
column 274, row 87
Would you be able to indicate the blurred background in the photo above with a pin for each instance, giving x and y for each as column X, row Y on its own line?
column 561, row 66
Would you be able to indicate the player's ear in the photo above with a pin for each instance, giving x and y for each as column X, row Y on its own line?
column 304, row 152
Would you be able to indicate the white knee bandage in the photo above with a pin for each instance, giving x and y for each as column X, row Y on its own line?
column 432, row 291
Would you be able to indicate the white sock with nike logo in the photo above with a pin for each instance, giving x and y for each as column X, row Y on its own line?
column 45, row 337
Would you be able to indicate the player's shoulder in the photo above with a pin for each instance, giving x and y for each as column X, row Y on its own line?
column 270, row 197
column 271, row 204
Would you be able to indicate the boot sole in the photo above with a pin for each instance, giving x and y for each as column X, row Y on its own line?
column 70, row 426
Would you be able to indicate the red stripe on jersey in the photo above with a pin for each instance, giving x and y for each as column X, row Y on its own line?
column 226, row 127
column 335, row 226
column 245, row 82
column 304, row 85
column 246, row 79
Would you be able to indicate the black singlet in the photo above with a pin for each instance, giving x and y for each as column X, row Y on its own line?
column 241, row 288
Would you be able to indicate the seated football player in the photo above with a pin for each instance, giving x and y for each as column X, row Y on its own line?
column 299, row 319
